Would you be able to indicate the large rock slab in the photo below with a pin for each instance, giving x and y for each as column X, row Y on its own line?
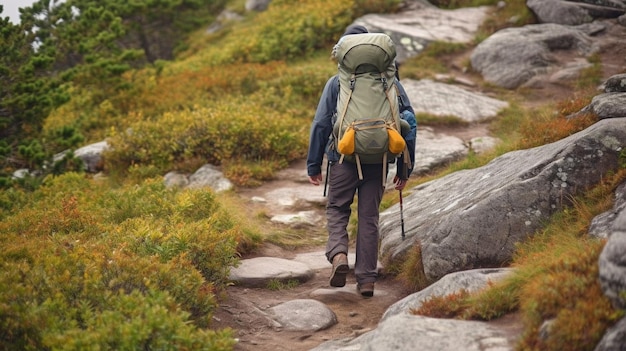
column 413, row 30
column 259, row 271
column 474, row 218
column 441, row 99
column 433, row 150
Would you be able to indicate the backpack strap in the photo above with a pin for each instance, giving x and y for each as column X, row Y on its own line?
column 345, row 109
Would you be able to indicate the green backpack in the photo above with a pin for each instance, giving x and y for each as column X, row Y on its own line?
column 368, row 123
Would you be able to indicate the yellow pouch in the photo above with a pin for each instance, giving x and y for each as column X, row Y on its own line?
column 346, row 144
column 396, row 141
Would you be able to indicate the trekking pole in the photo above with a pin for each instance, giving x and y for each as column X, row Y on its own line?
column 401, row 216
column 326, row 181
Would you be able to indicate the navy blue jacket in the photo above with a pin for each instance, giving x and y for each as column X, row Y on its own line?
column 320, row 140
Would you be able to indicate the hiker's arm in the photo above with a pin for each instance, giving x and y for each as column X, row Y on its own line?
column 321, row 128
column 410, row 144
column 408, row 114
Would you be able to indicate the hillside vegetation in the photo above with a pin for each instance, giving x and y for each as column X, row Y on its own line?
column 119, row 261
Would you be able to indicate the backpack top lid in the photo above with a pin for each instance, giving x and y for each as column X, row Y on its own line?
column 360, row 53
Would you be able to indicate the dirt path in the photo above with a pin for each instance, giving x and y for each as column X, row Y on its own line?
column 242, row 310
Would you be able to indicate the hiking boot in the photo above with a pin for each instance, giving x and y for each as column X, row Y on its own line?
column 340, row 270
column 366, row 289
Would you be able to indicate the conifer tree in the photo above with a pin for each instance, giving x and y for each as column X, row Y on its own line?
column 87, row 44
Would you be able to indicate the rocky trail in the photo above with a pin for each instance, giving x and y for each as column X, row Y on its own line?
column 247, row 310
column 252, row 306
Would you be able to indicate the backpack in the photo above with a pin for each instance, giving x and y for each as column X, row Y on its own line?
column 368, row 125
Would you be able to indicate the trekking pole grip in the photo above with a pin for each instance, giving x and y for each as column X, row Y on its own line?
column 401, row 216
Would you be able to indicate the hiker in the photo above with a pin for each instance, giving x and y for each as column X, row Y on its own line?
column 344, row 181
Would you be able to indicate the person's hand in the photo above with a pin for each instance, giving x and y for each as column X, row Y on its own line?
column 315, row 179
column 399, row 183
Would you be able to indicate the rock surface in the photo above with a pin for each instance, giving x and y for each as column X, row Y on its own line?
column 574, row 12
column 404, row 332
column 470, row 281
column 613, row 264
column 442, row 99
column 303, row 315
column 474, row 218
column 512, row 56
column 412, row 30
column 258, row 272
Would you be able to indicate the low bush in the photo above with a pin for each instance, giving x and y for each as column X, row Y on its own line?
column 227, row 133
column 134, row 267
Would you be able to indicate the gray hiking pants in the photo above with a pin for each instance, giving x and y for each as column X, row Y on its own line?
column 343, row 184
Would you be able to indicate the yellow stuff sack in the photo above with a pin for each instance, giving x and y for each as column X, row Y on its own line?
column 396, row 141
column 346, row 144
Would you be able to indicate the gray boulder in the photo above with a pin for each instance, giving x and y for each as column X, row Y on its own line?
column 409, row 332
column 607, row 105
column 303, row 315
column 560, row 12
column 175, row 180
column 211, row 177
column 474, row 218
column 207, row 176
column 92, row 155
column 615, row 84
column 612, row 269
column 470, row 281
column 612, row 103
column 575, row 12
column 512, row 56
column 614, row 339
column 257, row 5
column 602, row 225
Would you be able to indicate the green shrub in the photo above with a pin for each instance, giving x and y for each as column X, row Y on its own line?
column 132, row 267
column 135, row 321
column 229, row 131
column 285, row 31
